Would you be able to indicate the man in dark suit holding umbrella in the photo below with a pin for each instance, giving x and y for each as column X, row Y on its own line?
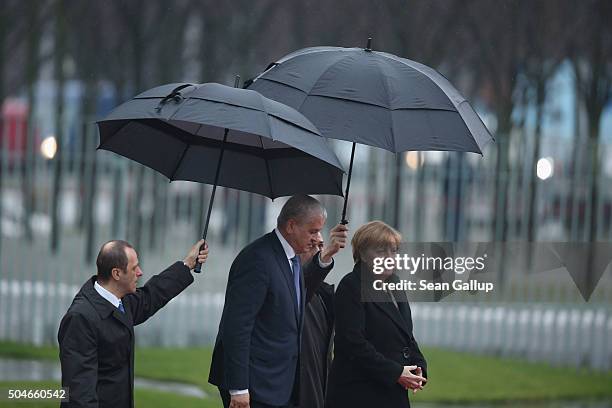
column 96, row 336
column 256, row 356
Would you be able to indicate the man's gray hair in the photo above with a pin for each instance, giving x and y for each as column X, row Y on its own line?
column 300, row 208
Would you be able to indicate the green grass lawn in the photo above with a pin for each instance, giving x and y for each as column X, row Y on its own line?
column 454, row 377
column 143, row 398
column 462, row 377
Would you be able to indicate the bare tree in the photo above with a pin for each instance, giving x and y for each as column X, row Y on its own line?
column 590, row 55
column 34, row 13
column 545, row 25
column 141, row 21
column 592, row 63
column 169, row 53
column 498, row 32
column 424, row 31
column 58, row 70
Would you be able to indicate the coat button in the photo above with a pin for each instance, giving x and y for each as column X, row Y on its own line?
column 406, row 353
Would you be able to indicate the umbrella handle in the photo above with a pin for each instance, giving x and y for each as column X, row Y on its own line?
column 348, row 186
column 198, row 267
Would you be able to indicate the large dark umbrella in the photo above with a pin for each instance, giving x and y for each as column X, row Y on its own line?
column 374, row 98
column 226, row 136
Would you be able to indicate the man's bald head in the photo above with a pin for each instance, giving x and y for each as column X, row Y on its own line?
column 112, row 255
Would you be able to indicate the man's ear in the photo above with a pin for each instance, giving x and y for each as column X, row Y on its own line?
column 115, row 273
column 290, row 226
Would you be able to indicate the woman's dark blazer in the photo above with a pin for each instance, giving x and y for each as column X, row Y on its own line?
column 373, row 343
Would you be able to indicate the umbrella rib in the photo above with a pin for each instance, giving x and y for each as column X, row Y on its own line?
column 431, row 74
column 390, row 110
column 264, row 152
column 112, row 135
column 250, row 108
column 319, row 77
column 355, row 101
column 283, row 83
column 178, row 164
column 225, row 103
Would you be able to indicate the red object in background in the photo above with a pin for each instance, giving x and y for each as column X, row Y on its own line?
column 14, row 128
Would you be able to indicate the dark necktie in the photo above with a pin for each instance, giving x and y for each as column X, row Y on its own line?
column 120, row 307
column 295, row 263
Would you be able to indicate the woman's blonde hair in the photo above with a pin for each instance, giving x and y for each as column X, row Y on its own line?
column 374, row 234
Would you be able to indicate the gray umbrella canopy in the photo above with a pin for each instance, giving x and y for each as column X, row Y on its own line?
column 179, row 129
column 374, row 98
column 215, row 134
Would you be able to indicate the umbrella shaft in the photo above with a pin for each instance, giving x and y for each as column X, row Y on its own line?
column 212, row 196
column 348, row 186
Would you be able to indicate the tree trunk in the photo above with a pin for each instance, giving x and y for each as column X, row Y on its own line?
column 138, row 173
column 576, row 163
column 173, row 26
column 501, row 176
column 59, row 51
column 594, row 121
column 460, row 180
column 501, row 186
column 89, row 75
column 4, row 20
column 90, row 196
column 533, row 180
column 4, row 29
column 32, row 68
column 419, row 199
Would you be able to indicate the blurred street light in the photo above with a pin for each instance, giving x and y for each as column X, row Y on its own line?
column 414, row 160
column 544, row 168
column 48, row 147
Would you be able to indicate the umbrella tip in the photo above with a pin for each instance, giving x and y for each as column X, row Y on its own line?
column 237, row 81
column 369, row 46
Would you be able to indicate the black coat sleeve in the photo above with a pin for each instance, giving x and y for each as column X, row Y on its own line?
column 351, row 338
column 419, row 358
column 79, row 359
column 314, row 274
column 158, row 291
column 246, row 292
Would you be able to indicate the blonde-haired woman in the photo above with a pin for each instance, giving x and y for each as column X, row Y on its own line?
column 376, row 358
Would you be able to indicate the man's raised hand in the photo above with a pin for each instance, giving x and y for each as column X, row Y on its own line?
column 338, row 238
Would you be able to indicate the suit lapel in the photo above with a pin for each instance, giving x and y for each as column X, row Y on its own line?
column 385, row 304
column 404, row 309
column 302, row 298
column 105, row 308
column 125, row 318
column 283, row 262
column 394, row 314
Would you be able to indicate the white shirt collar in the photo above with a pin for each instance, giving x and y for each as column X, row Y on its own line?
column 286, row 247
column 107, row 295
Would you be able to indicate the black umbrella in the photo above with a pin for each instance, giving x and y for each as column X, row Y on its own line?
column 374, row 98
column 215, row 134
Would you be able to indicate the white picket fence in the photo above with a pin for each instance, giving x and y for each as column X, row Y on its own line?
column 561, row 334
